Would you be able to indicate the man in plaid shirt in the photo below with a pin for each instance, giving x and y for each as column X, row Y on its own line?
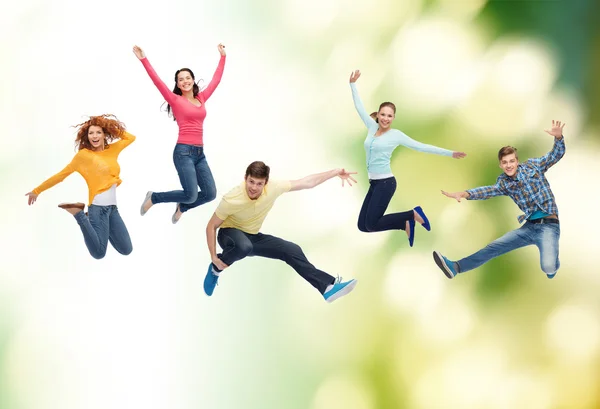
column 527, row 185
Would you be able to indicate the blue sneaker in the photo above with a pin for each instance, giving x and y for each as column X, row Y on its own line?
column 444, row 264
column 210, row 281
column 421, row 213
column 340, row 288
column 411, row 232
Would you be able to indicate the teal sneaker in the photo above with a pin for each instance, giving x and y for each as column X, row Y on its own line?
column 210, row 281
column 340, row 288
column 444, row 264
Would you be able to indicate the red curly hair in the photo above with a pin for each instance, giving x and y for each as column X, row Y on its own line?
column 111, row 126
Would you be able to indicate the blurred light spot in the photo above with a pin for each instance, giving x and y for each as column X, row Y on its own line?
column 311, row 15
column 429, row 58
column 512, row 86
column 464, row 9
column 343, row 391
column 471, row 379
column 573, row 332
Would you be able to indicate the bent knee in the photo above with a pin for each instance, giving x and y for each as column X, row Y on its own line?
column 98, row 255
column 126, row 251
column 550, row 269
column 190, row 197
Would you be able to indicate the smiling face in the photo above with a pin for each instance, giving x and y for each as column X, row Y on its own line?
column 254, row 187
column 385, row 116
column 185, row 81
column 96, row 137
column 509, row 164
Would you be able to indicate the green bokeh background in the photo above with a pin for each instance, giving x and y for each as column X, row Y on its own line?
column 468, row 75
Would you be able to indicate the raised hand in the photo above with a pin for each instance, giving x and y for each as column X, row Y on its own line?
column 31, row 198
column 458, row 155
column 456, row 195
column 139, row 53
column 556, row 130
column 346, row 177
column 221, row 48
column 354, row 76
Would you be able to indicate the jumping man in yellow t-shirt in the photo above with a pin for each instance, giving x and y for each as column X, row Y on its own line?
column 240, row 216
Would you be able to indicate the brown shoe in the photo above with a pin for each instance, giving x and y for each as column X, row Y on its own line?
column 77, row 205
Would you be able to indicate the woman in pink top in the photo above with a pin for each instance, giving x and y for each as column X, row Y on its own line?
column 187, row 105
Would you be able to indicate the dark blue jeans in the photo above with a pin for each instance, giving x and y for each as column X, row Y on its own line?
column 194, row 172
column 104, row 224
column 237, row 245
column 371, row 217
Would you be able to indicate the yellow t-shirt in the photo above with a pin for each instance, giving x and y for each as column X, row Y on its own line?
column 99, row 169
column 240, row 212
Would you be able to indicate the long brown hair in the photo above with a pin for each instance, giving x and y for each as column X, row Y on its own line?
column 111, row 126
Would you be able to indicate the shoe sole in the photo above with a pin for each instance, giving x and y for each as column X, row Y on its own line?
column 148, row 195
column 437, row 257
column 411, row 225
column 344, row 291
column 72, row 206
column 173, row 219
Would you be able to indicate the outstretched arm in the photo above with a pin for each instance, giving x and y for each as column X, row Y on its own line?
column 478, row 193
column 216, row 79
column 162, row 88
column 360, row 108
column 558, row 149
column 311, row 181
column 211, row 240
column 59, row 177
column 423, row 147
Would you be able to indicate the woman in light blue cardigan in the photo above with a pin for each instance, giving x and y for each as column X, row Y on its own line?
column 379, row 145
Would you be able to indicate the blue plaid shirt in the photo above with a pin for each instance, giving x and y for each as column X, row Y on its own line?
column 529, row 188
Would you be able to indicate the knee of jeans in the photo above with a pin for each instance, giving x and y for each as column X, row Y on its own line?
column 370, row 225
column 98, row 255
column 550, row 268
column 362, row 227
column 211, row 194
column 244, row 248
column 190, row 196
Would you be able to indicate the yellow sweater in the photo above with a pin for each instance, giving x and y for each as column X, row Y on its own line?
column 99, row 169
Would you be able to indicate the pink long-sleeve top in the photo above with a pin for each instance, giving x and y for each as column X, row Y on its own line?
column 189, row 117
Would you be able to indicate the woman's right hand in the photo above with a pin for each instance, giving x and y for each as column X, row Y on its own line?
column 139, row 53
column 354, row 76
column 31, row 198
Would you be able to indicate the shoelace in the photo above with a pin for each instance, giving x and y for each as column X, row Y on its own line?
column 338, row 280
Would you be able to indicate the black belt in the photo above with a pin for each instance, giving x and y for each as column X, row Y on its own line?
column 544, row 220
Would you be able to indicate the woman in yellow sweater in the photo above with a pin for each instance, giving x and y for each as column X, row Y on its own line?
column 96, row 161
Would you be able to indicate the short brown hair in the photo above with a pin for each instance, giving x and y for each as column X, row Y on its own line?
column 507, row 150
column 258, row 170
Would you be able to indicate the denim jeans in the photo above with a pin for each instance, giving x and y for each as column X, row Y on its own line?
column 371, row 217
column 104, row 224
column 194, row 172
column 544, row 235
column 237, row 245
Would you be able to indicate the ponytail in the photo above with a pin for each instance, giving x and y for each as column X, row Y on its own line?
column 374, row 116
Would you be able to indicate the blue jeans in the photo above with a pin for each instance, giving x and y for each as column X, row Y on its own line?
column 372, row 218
column 237, row 245
column 545, row 236
column 104, row 224
column 194, row 172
